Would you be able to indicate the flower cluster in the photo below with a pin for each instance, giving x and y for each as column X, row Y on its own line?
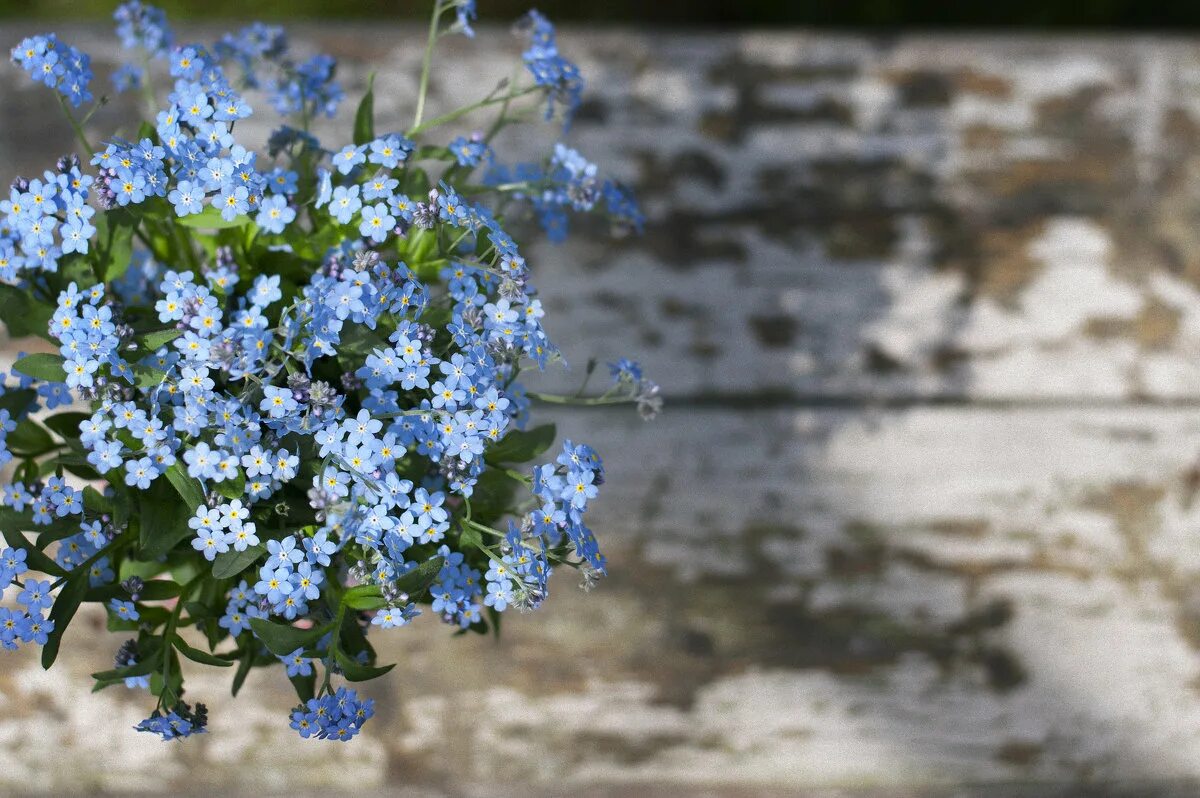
column 297, row 413
column 58, row 65
column 334, row 716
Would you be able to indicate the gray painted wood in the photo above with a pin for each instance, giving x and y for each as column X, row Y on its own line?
column 921, row 518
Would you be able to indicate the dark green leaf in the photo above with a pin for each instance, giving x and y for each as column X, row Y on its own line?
column 119, row 251
column 364, row 118
column 188, row 487
column 232, row 488
column 66, row 424
column 494, row 617
column 30, row 439
column 283, row 640
column 147, row 376
column 154, row 590
column 244, row 666
column 140, row 669
column 521, row 446
column 364, row 597
column 12, row 524
column 210, row 219
column 305, row 685
column 61, row 613
column 151, row 341
column 493, row 495
column 357, row 672
column 16, row 402
column 470, row 538
column 163, row 518
column 418, row 580
column 24, row 315
column 232, row 563
column 42, row 366
column 197, row 655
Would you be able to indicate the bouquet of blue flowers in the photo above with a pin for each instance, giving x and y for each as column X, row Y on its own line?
column 285, row 409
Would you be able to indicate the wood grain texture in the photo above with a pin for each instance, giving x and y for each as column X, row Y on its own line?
column 920, row 519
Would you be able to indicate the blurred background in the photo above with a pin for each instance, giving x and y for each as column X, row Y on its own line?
column 919, row 519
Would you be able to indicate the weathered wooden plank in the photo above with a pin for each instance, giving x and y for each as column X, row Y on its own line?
column 925, row 597
column 832, row 215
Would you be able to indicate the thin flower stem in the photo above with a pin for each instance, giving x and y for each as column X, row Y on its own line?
column 169, row 632
column 558, row 399
column 461, row 112
column 426, row 63
column 79, row 134
column 148, row 87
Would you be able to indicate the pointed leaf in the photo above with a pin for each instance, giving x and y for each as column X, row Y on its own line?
column 210, row 219
column 69, row 598
column 30, row 439
column 42, row 366
column 521, row 446
column 66, row 424
column 16, row 402
column 232, row 563
column 188, row 487
column 364, row 118
column 196, row 655
column 364, row 597
column 357, row 672
column 418, row 580
column 152, row 340
column 282, row 640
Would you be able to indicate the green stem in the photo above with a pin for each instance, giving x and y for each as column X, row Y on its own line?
column 169, row 632
column 578, row 400
column 148, row 87
column 461, row 112
column 79, row 134
column 427, row 62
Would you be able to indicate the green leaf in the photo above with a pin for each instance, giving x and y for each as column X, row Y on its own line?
column 69, row 598
column 163, row 518
column 232, row 563
column 521, row 446
column 140, row 669
column 154, row 590
column 494, row 617
column 95, row 500
column 119, row 251
column 282, row 640
column 12, row 525
column 173, row 687
column 364, row 597
column 66, row 424
column 305, row 685
column 148, row 376
column 418, row 580
column 24, row 315
column 154, row 339
column 357, row 672
column 57, row 529
column 30, row 439
column 16, row 402
column 196, row 655
column 493, row 495
column 210, row 219
column 420, row 246
column 42, row 366
column 232, row 488
column 244, row 666
column 364, row 118
column 188, row 487
column 470, row 537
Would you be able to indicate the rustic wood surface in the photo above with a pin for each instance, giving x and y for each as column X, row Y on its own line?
column 919, row 518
